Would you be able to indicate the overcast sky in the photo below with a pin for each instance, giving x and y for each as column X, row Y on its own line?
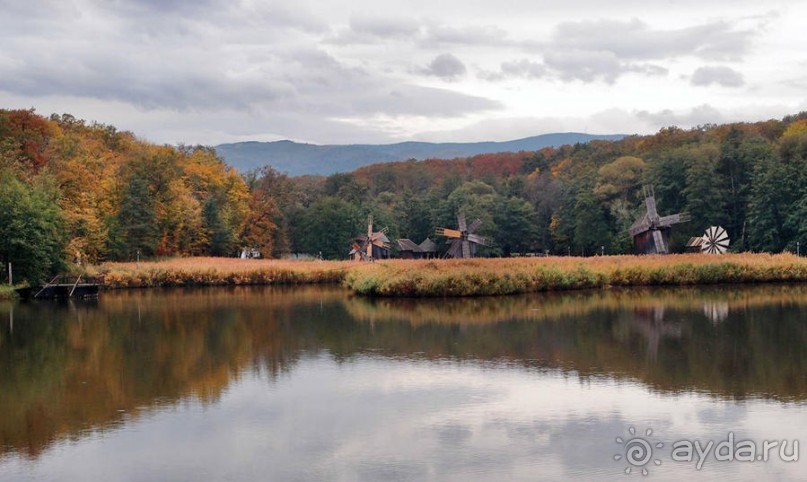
column 355, row 71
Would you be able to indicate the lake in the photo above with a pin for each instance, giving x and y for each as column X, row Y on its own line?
column 312, row 383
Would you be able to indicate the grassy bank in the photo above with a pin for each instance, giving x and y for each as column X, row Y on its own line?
column 474, row 277
column 7, row 292
column 477, row 277
column 219, row 271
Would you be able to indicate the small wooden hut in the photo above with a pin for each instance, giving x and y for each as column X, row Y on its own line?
column 428, row 249
column 407, row 249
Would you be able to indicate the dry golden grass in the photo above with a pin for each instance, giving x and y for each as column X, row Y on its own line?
column 219, row 271
column 473, row 277
column 523, row 275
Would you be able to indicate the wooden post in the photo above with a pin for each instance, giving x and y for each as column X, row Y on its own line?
column 10, row 278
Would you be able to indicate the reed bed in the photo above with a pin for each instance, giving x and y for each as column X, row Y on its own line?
column 471, row 277
column 479, row 277
column 203, row 271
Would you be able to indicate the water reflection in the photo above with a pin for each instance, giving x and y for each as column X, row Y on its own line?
column 68, row 370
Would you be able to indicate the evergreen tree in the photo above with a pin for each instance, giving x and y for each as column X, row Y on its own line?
column 221, row 241
column 135, row 227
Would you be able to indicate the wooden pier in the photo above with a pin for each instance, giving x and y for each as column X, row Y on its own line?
column 63, row 287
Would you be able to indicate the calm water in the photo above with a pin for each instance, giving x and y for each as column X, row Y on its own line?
column 314, row 384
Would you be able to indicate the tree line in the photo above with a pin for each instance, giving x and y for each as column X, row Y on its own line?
column 78, row 192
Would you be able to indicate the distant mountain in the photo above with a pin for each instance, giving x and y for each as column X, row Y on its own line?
column 299, row 159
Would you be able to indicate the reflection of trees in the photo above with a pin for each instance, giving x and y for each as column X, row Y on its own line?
column 68, row 368
column 666, row 338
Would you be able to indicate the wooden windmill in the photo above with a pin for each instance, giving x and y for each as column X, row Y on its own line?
column 371, row 246
column 462, row 242
column 714, row 241
column 651, row 232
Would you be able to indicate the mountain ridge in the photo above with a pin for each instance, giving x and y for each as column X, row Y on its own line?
column 297, row 159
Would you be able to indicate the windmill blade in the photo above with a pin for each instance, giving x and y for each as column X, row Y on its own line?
column 639, row 226
column 695, row 242
column 477, row 239
column 449, row 233
column 381, row 243
column 658, row 240
column 461, row 222
column 466, row 249
column 474, row 226
column 667, row 221
column 715, row 240
column 454, row 250
column 650, row 202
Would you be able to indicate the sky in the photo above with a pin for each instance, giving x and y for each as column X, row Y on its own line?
column 356, row 71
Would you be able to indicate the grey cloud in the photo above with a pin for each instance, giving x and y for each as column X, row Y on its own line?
column 208, row 67
column 445, row 66
column 424, row 33
column 700, row 115
column 372, row 29
column 719, row 75
column 436, row 35
column 635, row 40
column 606, row 49
column 524, row 68
column 585, row 65
column 384, row 26
column 588, row 66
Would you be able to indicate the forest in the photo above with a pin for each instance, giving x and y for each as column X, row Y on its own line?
column 76, row 193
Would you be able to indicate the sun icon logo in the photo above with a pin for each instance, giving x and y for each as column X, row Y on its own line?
column 638, row 451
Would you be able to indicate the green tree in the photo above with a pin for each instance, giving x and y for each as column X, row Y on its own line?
column 220, row 239
column 32, row 233
column 328, row 226
column 592, row 230
column 516, row 226
column 135, row 227
column 777, row 189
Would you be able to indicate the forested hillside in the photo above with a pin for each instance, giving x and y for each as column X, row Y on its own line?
column 300, row 159
column 72, row 192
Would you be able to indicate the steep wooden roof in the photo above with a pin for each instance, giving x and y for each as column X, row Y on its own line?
column 428, row 246
column 408, row 245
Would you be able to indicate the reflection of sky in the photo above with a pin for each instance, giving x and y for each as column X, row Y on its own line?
column 374, row 418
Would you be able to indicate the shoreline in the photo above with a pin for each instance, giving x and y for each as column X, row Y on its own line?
column 462, row 277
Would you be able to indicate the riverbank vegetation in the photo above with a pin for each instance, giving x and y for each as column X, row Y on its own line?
column 213, row 271
column 7, row 293
column 74, row 193
column 474, row 277
column 477, row 277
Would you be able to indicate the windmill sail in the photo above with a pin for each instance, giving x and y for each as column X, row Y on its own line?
column 651, row 232
column 462, row 241
column 715, row 240
column 374, row 244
